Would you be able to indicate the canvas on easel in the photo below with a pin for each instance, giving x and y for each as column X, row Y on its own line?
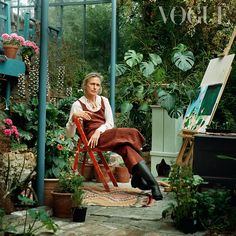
column 200, row 112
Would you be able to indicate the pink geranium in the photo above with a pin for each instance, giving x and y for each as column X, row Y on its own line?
column 10, row 130
column 29, row 48
column 8, row 122
column 13, row 39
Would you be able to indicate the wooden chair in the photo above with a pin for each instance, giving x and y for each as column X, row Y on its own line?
column 83, row 147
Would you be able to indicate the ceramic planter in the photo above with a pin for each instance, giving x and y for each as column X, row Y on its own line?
column 49, row 186
column 62, row 205
column 122, row 174
column 10, row 51
column 106, row 176
column 88, row 171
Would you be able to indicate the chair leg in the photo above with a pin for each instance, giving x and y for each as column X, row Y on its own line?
column 108, row 170
column 75, row 165
column 98, row 170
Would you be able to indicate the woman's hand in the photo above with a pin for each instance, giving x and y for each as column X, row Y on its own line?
column 93, row 141
column 84, row 115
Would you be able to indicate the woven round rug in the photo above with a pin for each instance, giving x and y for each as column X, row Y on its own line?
column 131, row 197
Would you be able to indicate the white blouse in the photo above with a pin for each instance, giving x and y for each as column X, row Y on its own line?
column 76, row 107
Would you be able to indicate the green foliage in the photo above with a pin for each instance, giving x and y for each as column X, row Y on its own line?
column 215, row 210
column 135, row 91
column 5, row 226
column 182, row 58
column 211, row 209
column 31, row 217
column 69, row 182
column 184, row 186
column 175, row 96
column 26, row 116
column 72, row 182
column 59, row 150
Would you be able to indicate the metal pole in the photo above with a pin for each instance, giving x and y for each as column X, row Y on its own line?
column 42, row 101
column 113, row 57
column 26, row 25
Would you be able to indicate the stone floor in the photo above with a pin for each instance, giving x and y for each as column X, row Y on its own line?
column 117, row 221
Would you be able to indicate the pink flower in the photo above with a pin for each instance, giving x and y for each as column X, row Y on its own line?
column 5, row 36
column 8, row 121
column 12, row 39
column 7, row 132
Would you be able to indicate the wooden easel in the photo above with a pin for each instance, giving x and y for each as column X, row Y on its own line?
column 185, row 156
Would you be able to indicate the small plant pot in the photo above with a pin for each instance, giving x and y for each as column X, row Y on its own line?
column 49, row 186
column 122, row 174
column 62, row 204
column 79, row 214
column 106, row 176
column 88, row 171
column 189, row 226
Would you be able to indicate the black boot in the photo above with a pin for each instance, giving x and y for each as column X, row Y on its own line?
column 139, row 182
column 143, row 171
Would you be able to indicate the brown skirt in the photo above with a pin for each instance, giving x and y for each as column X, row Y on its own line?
column 127, row 142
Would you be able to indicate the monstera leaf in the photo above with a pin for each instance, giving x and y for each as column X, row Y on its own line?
column 155, row 59
column 132, row 58
column 147, row 68
column 182, row 58
column 120, row 69
column 126, row 106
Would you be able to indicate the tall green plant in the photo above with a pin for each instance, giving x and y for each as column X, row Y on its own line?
column 176, row 96
column 135, row 91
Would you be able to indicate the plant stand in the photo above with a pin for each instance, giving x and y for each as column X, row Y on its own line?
column 166, row 141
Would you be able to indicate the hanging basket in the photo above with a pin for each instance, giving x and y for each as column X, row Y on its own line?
column 10, row 51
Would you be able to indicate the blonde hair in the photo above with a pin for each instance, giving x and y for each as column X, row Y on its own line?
column 88, row 77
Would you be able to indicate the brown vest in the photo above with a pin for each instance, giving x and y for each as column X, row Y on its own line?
column 97, row 119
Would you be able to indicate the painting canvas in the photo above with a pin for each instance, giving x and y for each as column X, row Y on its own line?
column 200, row 112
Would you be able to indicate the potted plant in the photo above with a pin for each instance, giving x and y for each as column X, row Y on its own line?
column 121, row 173
column 59, row 156
column 29, row 49
column 11, row 44
column 69, row 183
column 184, row 210
column 79, row 210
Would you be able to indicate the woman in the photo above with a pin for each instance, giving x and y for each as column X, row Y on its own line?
column 96, row 115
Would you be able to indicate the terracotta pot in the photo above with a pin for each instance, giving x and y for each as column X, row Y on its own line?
column 88, row 171
column 49, row 186
column 62, row 205
column 122, row 174
column 10, row 51
column 107, row 178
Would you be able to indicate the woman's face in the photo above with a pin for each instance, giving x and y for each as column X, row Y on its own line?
column 93, row 86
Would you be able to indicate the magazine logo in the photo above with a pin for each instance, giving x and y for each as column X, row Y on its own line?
column 178, row 15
